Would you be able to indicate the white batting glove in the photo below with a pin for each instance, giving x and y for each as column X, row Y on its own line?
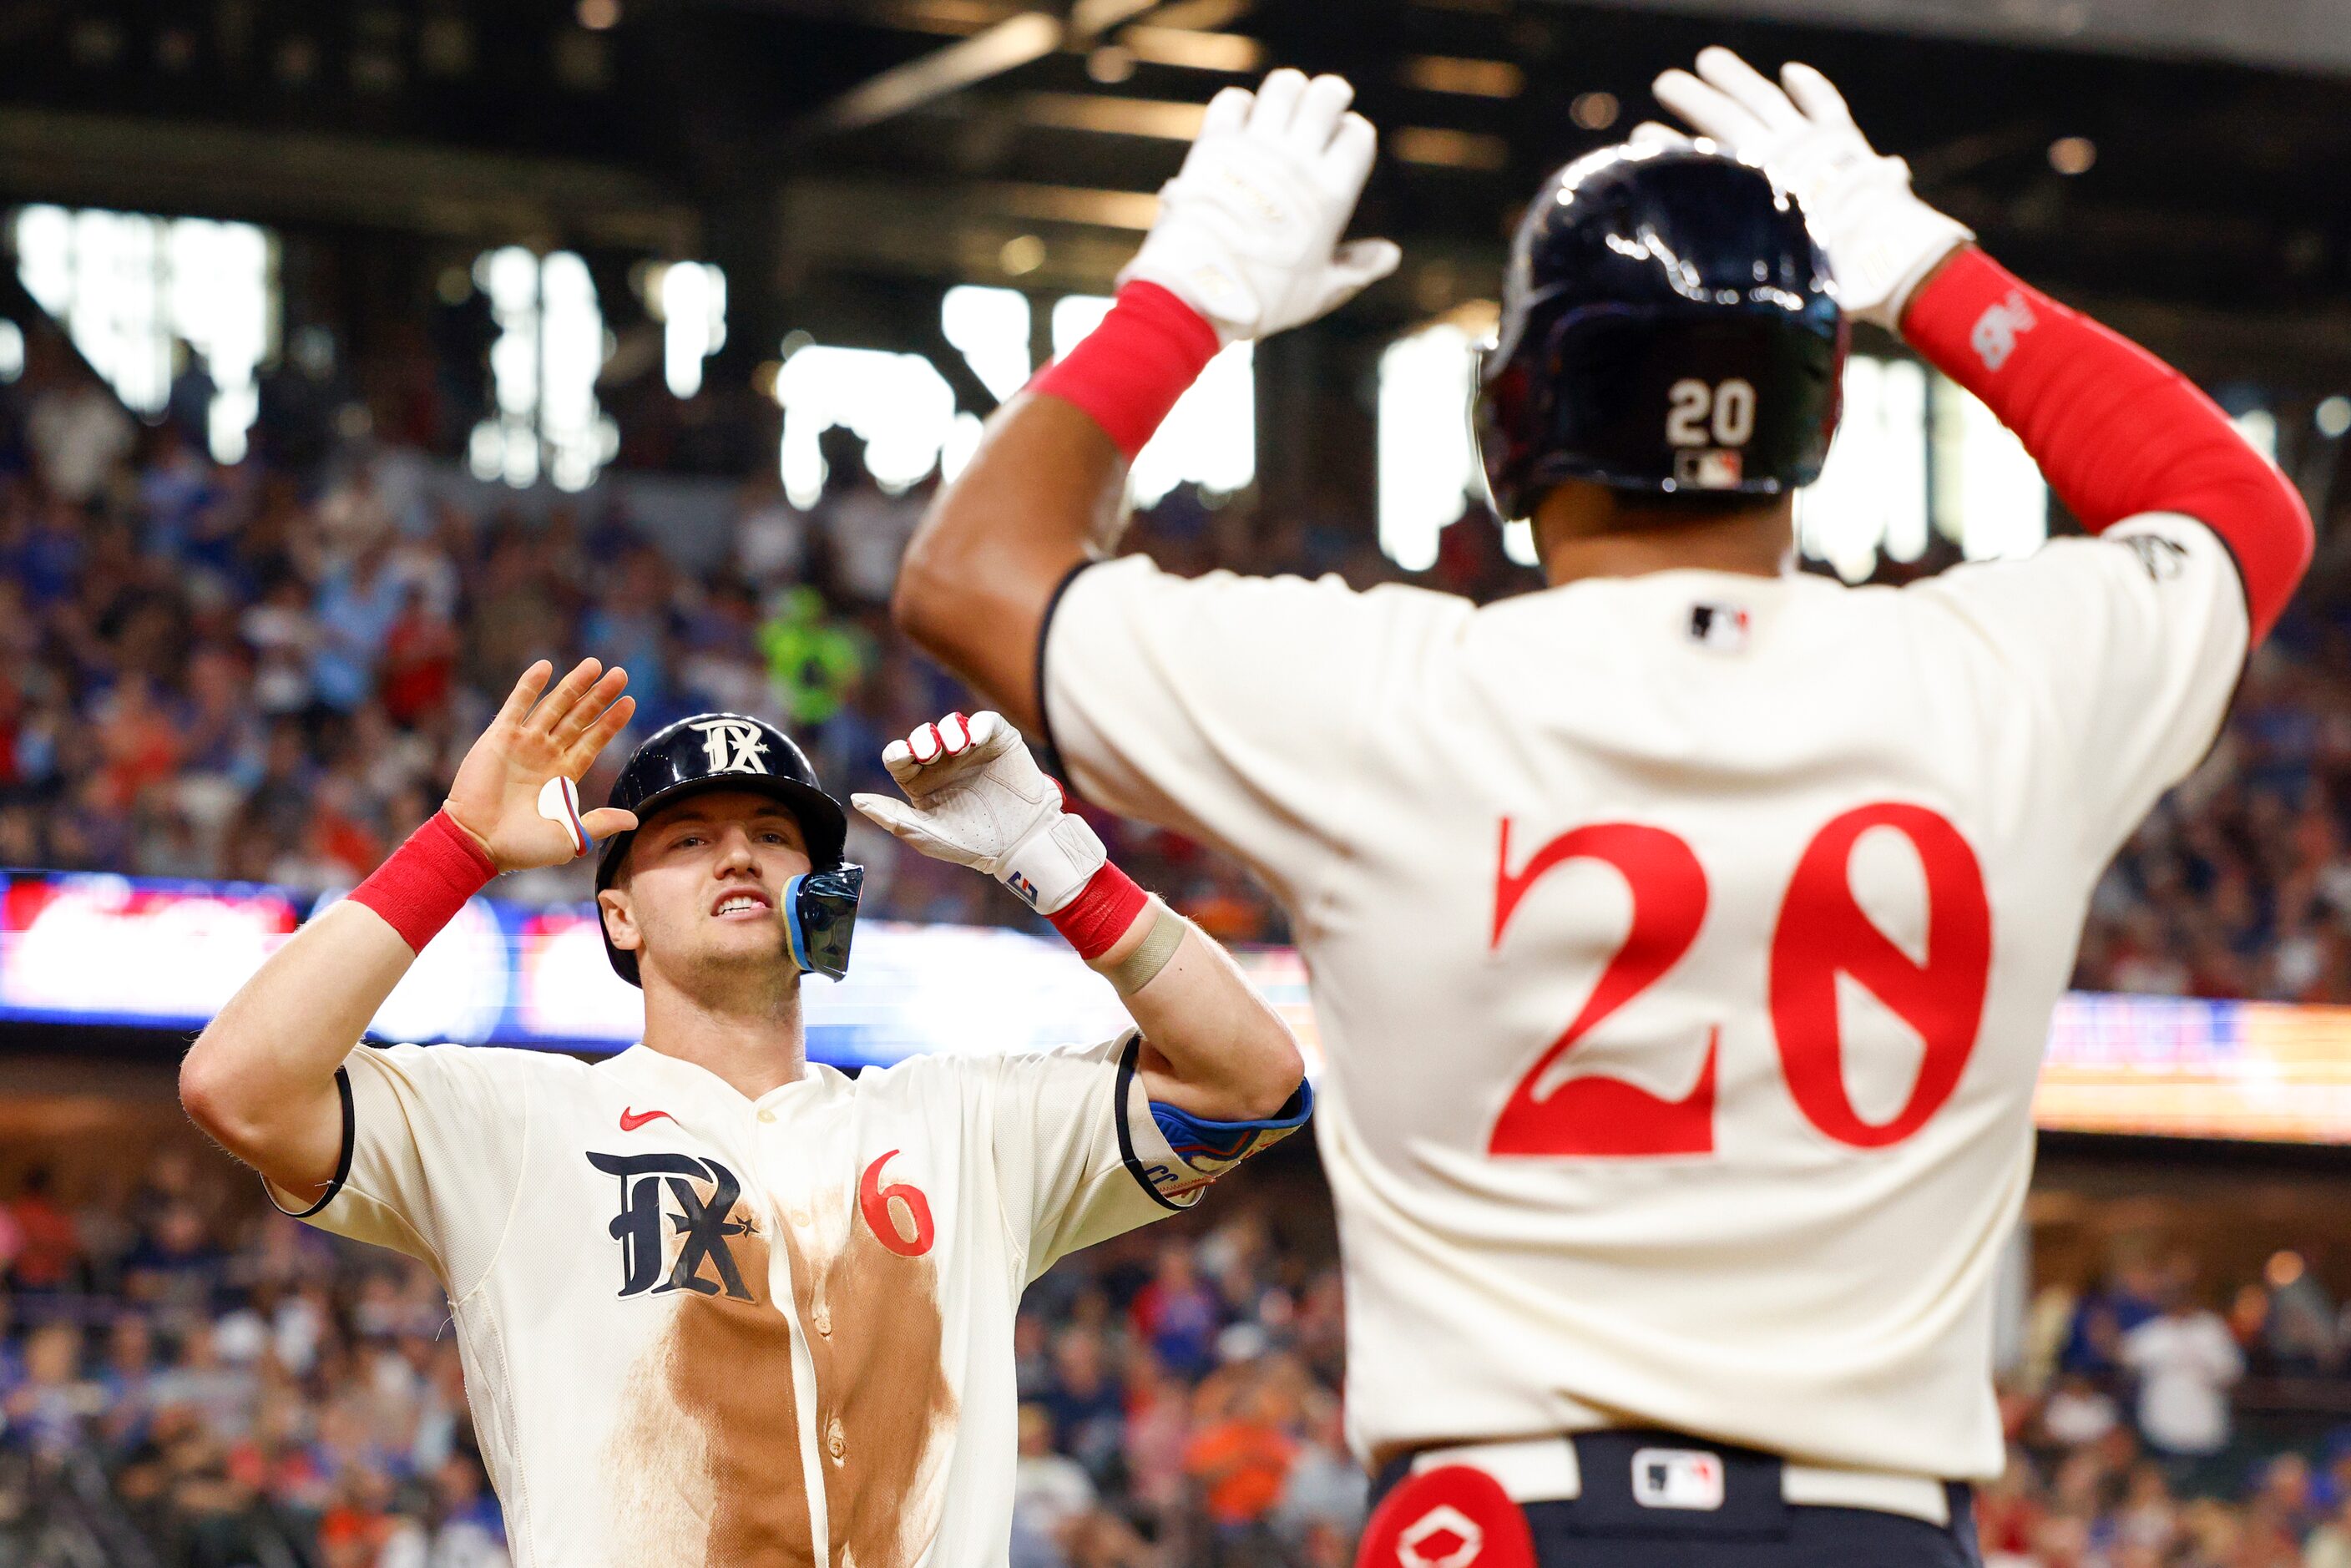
column 1249, row 229
column 1881, row 240
column 976, row 796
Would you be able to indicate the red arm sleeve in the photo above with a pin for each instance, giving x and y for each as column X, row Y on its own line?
column 2115, row 430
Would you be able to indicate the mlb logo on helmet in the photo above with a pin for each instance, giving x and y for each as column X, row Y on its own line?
column 1708, row 469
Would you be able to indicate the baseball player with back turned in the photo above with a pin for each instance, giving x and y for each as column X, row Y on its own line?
column 718, row 1305
column 1683, row 937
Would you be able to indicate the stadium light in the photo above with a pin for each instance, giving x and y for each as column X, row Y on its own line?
column 1427, row 455
column 1428, row 461
column 897, row 405
column 543, row 369
column 689, row 299
column 990, row 328
column 1989, row 494
column 1871, row 496
column 1209, row 438
column 126, row 284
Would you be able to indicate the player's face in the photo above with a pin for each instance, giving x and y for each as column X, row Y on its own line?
column 704, row 886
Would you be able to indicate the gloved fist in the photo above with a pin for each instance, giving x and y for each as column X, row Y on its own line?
column 975, row 796
column 1249, row 229
column 1881, row 240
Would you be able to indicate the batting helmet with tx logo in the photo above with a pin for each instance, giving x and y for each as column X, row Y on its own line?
column 736, row 751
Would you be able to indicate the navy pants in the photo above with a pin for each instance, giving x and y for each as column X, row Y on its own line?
column 1753, row 1527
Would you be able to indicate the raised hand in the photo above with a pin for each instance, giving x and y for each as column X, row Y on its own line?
column 976, row 796
column 517, row 791
column 1881, row 240
column 1249, row 229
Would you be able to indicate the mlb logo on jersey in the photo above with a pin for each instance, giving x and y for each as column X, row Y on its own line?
column 1720, row 627
column 1708, row 469
column 1687, row 1479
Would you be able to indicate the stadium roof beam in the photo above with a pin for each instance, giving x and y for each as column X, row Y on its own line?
column 2291, row 35
column 282, row 177
column 1008, row 44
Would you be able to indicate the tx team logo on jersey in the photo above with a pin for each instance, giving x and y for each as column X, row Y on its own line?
column 733, row 745
column 662, row 1197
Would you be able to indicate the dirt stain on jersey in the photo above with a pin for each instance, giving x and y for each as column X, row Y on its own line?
column 886, row 1412
column 708, row 1450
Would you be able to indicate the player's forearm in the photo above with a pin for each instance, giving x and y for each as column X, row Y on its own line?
column 2115, row 430
column 261, row 1078
column 1214, row 1047
column 1045, row 489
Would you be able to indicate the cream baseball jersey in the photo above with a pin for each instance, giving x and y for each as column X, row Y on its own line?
column 1682, row 948
column 699, row 1328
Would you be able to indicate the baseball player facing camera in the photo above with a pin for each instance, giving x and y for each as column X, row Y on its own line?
column 1682, row 937
column 718, row 1303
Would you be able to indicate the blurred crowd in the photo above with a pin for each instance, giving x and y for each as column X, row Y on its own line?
column 2134, row 1442
column 229, row 1386
column 190, row 1380
column 2239, row 885
column 266, row 671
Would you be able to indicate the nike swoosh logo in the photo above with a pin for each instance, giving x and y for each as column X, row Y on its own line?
column 631, row 1121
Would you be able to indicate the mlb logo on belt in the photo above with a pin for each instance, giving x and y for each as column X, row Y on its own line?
column 1688, row 1478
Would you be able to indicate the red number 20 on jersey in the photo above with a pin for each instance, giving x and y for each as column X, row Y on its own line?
column 1821, row 934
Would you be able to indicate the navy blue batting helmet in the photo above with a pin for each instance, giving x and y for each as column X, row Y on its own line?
column 736, row 751
column 1667, row 324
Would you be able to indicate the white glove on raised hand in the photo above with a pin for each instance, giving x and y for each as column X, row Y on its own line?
column 1249, row 229
column 976, row 796
column 1881, row 240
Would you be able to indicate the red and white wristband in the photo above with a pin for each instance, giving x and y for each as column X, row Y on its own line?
column 421, row 884
column 1060, row 869
column 1129, row 371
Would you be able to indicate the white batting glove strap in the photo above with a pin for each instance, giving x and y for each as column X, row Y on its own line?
column 1249, row 230
column 976, row 796
column 1881, row 240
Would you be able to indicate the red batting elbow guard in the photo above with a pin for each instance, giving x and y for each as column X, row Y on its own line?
column 421, row 886
column 2115, row 430
column 1105, row 909
column 1129, row 372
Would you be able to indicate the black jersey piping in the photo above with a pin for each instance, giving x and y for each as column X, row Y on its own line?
column 344, row 1163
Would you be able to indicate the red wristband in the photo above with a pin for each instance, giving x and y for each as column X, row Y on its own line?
column 421, row 884
column 1129, row 372
column 1104, row 910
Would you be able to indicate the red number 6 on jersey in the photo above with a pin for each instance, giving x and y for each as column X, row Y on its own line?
column 1822, row 932
column 873, row 1202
